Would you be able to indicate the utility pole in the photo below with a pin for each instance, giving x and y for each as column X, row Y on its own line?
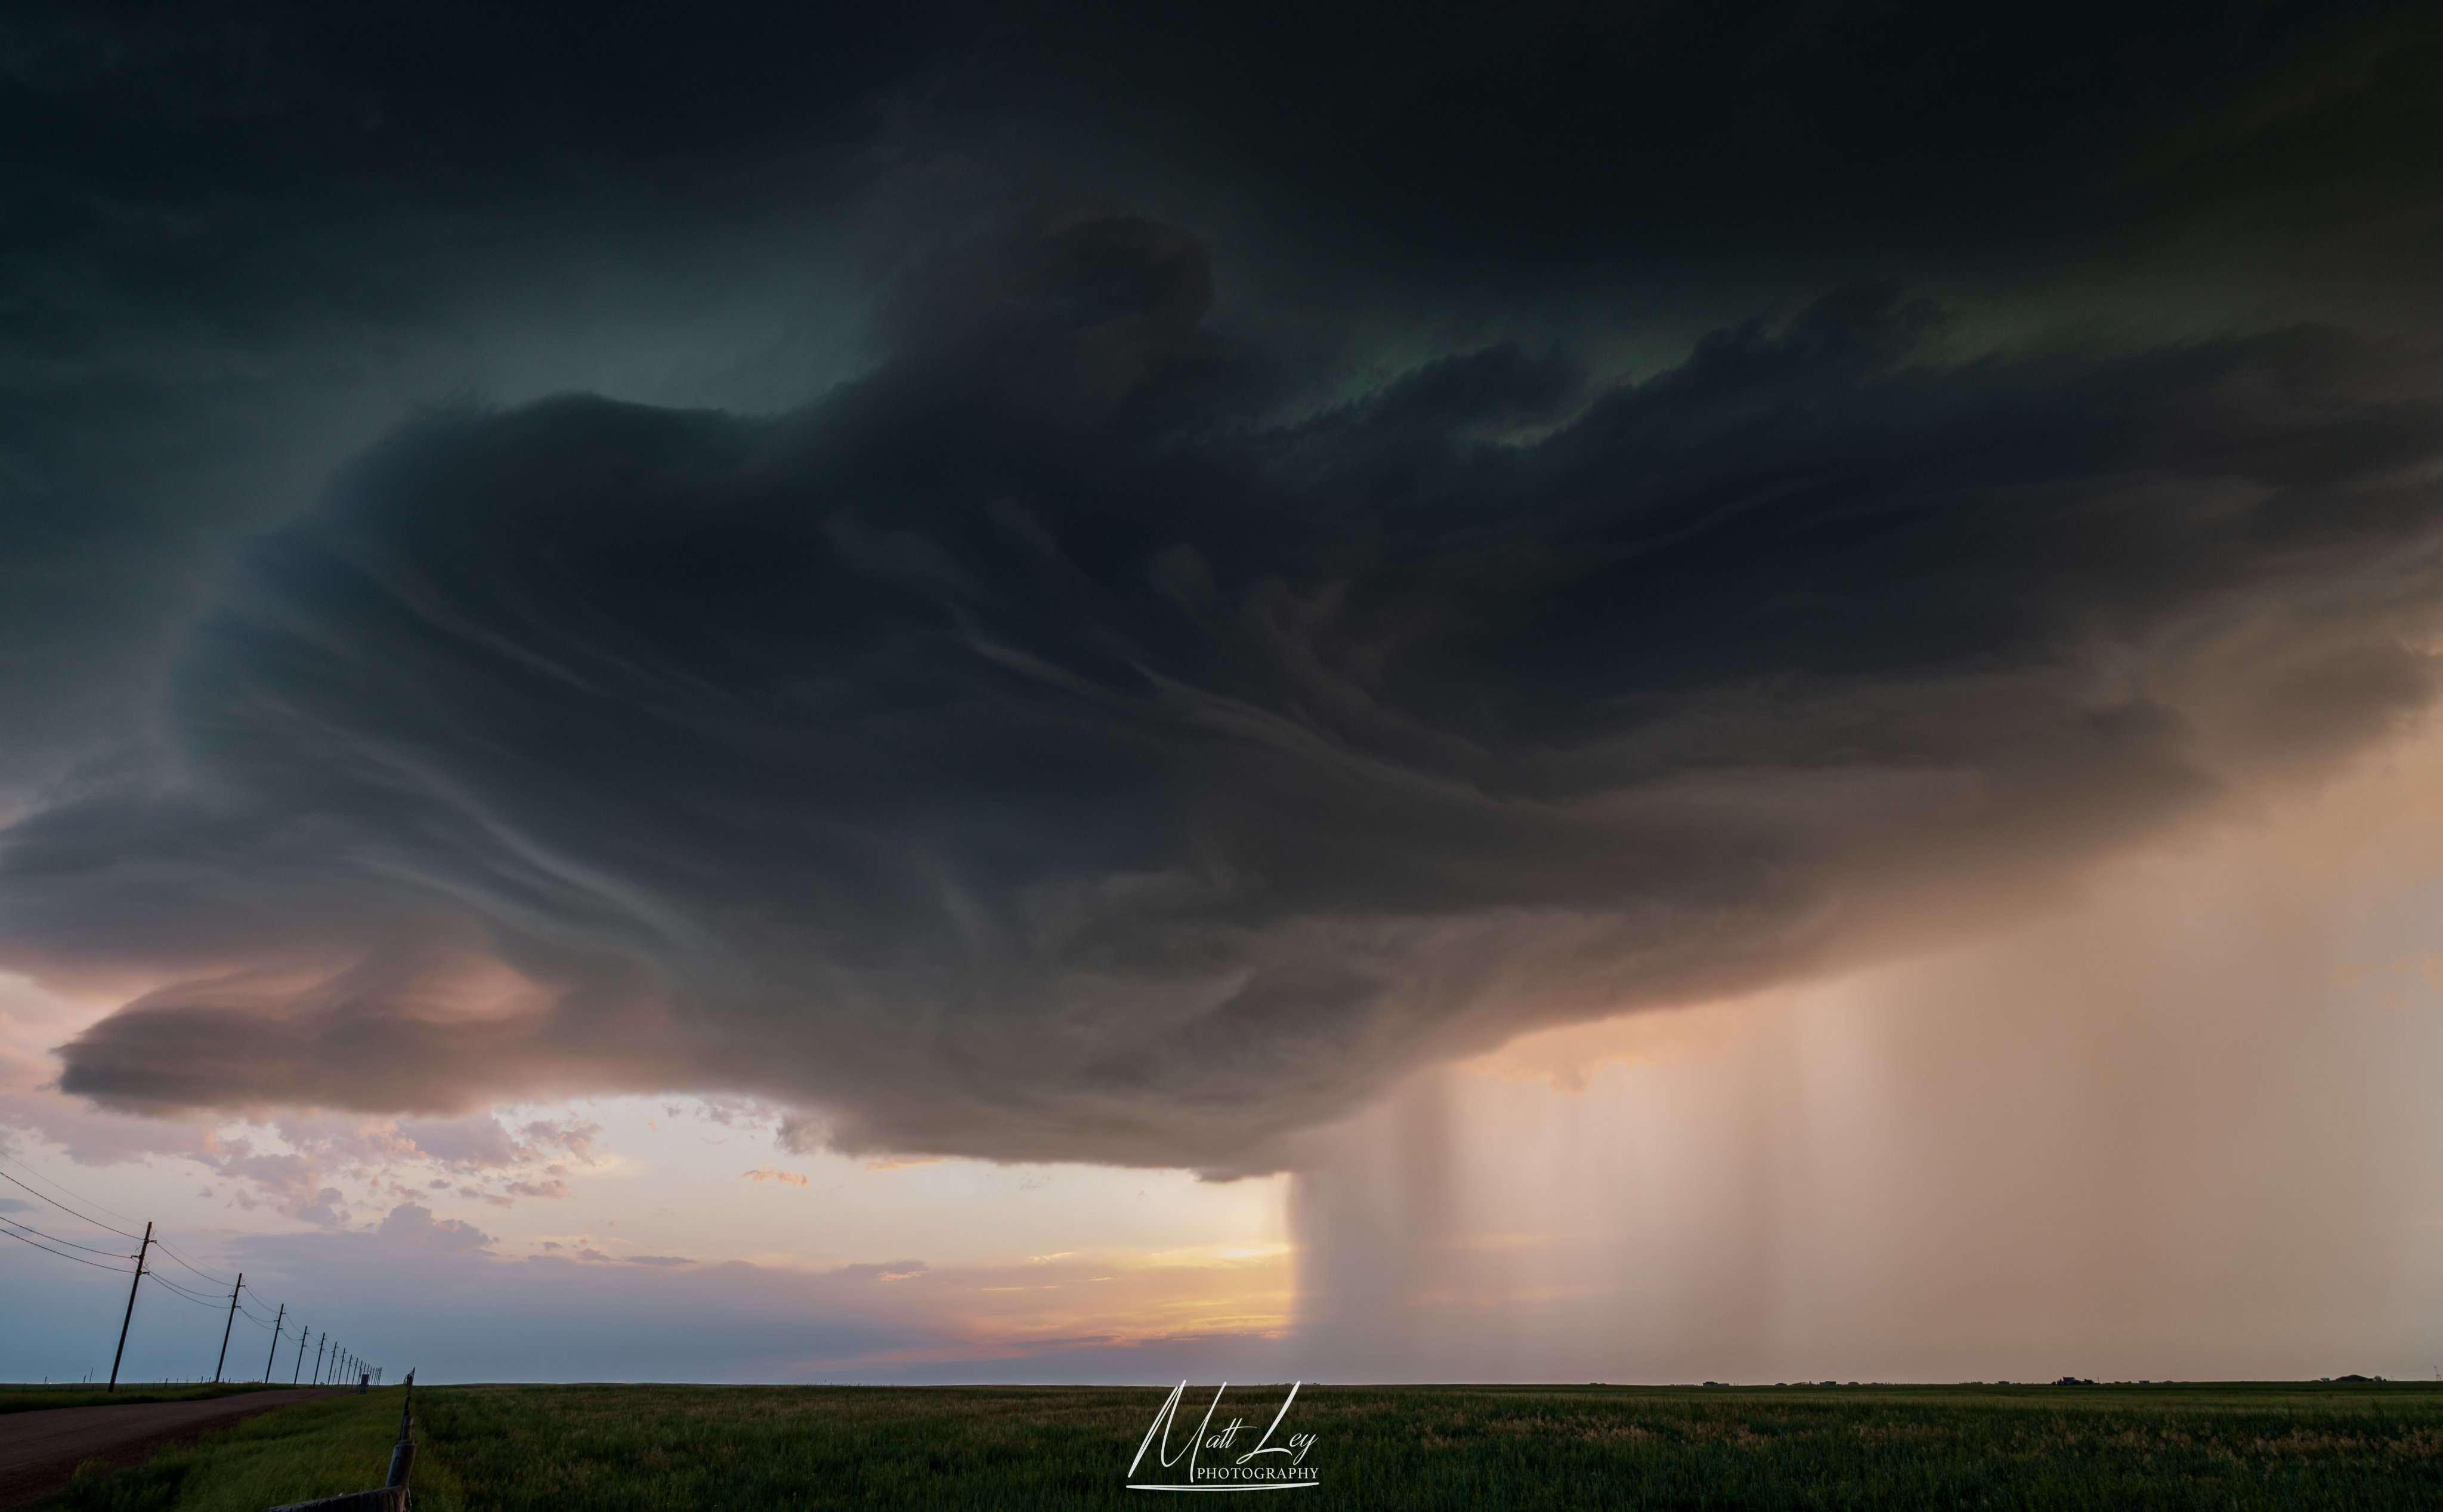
column 142, row 1250
column 274, row 1352
column 298, row 1369
column 225, row 1330
column 318, row 1356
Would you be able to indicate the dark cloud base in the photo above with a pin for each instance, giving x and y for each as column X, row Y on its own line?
column 1039, row 749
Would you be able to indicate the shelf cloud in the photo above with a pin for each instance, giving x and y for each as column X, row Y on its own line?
column 1050, row 745
column 1105, row 583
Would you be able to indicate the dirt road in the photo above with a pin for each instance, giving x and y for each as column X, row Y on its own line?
column 40, row 1451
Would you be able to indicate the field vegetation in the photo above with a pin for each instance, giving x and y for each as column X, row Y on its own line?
column 664, row 1449
column 291, row 1454
column 649, row 1449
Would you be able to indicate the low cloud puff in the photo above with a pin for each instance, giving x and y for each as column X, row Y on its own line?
column 1046, row 748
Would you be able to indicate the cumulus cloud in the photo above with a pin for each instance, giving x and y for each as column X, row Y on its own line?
column 1039, row 749
column 411, row 1226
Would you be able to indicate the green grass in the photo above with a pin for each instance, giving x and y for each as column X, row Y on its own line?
column 630, row 1448
column 27, row 1397
column 289, row 1454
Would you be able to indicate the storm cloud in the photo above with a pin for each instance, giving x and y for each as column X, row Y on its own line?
column 1105, row 584
column 1039, row 748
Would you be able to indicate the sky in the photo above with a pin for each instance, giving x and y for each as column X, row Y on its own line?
column 1097, row 692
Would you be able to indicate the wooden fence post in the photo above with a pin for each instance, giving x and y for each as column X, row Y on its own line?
column 392, row 1495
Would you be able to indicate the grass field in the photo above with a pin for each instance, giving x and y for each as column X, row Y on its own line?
column 628, row 1448
column 27, row 1396
column 320, row 1448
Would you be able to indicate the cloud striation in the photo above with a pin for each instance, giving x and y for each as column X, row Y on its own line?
column 1053, row 746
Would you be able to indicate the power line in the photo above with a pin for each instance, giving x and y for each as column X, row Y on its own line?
column 72, row 1193
column 162, row 1244
column 221, row 1281
column 61, row 1253
column 13, row 1224
column 331, row 1363
column 178, row 1290
column 158, row 1243
column 57, row 1186
column 57, row 1240
column 64, row 1208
